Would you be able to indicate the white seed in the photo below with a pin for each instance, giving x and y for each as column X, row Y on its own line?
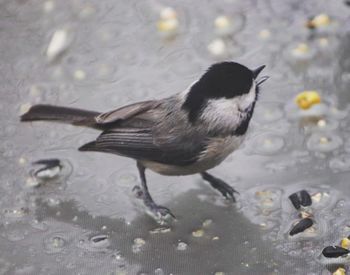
column 321, row 123
column 264, row 34
column 198, row 233
column 24, row 108
column 49, row 6
column 217, row 47
column 182, row 246
column 79, row 75
column 168, row 13
column 59, row 42
column 222, row 22
column 207, row 223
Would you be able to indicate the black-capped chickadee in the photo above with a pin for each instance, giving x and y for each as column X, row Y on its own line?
column 187, row 133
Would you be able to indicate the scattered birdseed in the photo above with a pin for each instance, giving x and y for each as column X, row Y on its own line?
column 58, row 44
column 321, row 123
column 340, row 271
column 300, row 198
column 345, row 243
column 321, row 20
column 217, row 47
column 264, row 34
column 198, row 233
column 79, row 75
column 307, row 99
column 51, row 169
column 223, row 25
column 168, row 23
column 334, row 251
column 160, row 230
column 49, row 6
column 182, row 246
column 301, row 226
column 24, row 108
column 300, row 50
column 207, row 223
column 138, row 244
column 22, row 161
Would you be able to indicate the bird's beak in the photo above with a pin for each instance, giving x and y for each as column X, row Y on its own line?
column 262, row 80
column 257, row 71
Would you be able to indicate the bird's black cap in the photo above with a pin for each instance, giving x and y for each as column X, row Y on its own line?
column 221, row 80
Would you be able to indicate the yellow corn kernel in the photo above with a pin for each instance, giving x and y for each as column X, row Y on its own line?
column 345, row 243
column 321, row 20
column 168, row 25
column 339, row 271
column 307, row 99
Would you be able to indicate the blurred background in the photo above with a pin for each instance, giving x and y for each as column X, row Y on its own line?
column 84, row 218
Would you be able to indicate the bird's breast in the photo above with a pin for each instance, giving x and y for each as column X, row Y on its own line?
column 216, row 151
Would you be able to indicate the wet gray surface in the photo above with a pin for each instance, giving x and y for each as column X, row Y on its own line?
column 89, row 222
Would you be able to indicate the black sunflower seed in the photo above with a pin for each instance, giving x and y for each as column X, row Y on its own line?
column 334, row 251
column 300, row 198
column 48, row 163
column 301, row 226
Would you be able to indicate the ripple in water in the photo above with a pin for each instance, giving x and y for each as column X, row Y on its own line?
column 267, row 144
column 54, row 244
column 324, row 142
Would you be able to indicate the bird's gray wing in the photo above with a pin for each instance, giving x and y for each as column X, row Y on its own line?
column 126, row 112
column 126, row 116
column 140, row 144
column 133, row 131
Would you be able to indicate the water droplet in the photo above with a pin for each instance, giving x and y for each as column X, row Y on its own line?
column 267, row 144
column 324, row 142
column 268, row 113
column 54, row 244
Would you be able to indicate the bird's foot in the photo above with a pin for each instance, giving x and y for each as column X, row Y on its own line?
column 157, row 211
column 160, row 212
column 226, row 190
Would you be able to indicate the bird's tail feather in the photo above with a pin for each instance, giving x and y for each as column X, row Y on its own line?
column 91, row 146
column 61, row 114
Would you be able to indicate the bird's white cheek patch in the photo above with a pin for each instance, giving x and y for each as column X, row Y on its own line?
column 221, row 112
column 246, row 100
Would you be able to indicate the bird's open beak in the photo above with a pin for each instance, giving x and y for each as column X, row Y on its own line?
column 262, row 80
column 256, row 72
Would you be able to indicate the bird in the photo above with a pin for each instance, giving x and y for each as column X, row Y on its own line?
column 187, row 133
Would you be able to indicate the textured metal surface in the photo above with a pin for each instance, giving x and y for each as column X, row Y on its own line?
column 90, row 222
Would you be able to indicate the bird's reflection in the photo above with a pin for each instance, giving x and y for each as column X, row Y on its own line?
column 229, row 243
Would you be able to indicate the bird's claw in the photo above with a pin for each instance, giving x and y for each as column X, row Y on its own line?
column 226, row 190
column 160, row 212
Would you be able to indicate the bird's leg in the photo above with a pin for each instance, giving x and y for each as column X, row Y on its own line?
column 158, row 210
column 220, row 185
